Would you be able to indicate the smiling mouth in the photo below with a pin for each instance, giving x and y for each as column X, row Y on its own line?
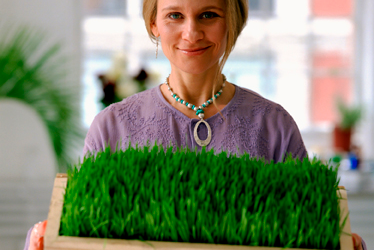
column 197, row 51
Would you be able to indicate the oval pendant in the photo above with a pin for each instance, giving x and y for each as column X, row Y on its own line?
column 200, row 142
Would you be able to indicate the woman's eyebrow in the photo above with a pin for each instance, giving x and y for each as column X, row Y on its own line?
column 212, row 7
column 174, row 7
column 170, row 8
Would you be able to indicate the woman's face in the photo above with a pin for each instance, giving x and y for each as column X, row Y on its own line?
column 193, row 33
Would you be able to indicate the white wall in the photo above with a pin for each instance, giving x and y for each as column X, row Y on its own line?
column 365, row 73
column 26, row 151
column 27, row 170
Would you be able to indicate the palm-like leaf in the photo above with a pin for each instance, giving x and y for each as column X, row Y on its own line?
column 36, row 74
column 349, row 115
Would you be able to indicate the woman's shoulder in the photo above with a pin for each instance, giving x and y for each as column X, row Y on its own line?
column 250, row 102
column 269, row 121
column 120, row 119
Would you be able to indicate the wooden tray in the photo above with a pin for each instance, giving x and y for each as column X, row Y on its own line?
column 52, row 240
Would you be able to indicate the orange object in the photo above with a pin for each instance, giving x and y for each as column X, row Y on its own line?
column 342, row 139
column 332, row 8
column 37, row 236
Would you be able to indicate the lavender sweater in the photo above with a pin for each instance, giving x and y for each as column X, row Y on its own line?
column 249, row 123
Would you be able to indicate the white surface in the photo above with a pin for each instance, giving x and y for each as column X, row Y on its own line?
column 22, row 204
column 25, row 147
column 365, row 73
column 357, row 182
column 361, row 208
column 27, row 167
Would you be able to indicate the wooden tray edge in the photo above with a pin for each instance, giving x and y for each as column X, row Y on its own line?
column 52, row 240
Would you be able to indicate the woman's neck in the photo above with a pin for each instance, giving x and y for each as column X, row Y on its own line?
column 197, row 89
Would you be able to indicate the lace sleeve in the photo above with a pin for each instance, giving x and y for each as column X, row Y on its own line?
column 363, row 244
column 296, row 145
column 102, row 130
column 91, row 144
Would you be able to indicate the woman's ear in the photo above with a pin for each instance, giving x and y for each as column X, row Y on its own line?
column 155, row 29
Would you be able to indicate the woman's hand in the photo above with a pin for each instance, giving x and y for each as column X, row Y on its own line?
column 357, row 241
column 37, row 236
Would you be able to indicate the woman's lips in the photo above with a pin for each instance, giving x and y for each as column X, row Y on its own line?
column 194, row 51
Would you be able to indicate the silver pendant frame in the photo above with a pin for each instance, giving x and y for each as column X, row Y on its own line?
column 200, row 142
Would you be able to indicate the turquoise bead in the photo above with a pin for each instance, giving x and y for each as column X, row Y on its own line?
column 204, row 106
column 181, row 101
column 177, row 99
column 199, row 111
column 174, row 95
column 193, row 106
column 186, row 103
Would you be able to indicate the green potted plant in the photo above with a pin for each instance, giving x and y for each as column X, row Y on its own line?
column 349, row 116
column 33, row 71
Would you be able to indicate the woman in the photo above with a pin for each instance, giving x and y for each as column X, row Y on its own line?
column 197, row 38
column 196, row 106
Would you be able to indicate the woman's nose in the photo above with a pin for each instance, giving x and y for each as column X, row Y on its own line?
column 192, row 31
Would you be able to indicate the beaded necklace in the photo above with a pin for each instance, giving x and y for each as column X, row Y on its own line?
column 199, row 111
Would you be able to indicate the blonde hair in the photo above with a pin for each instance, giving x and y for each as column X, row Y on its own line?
column 236, row 18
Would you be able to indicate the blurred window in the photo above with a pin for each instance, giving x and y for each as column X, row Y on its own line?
column 261, row 7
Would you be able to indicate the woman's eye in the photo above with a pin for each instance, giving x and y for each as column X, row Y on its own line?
column 209, row 15
column 175, row 16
